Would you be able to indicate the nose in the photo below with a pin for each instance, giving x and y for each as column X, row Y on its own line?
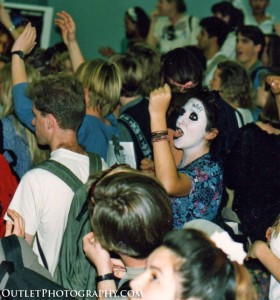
column 33, row 122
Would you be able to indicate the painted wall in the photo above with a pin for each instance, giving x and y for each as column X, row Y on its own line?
column 100, row 22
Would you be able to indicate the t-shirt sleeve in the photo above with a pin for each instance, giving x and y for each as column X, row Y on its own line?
column 23, row 105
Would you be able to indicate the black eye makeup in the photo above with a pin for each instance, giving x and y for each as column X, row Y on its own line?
column 193, row 116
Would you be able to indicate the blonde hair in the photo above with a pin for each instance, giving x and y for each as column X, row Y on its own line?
column 103, row 81
column 37, row 154
column 276, row 226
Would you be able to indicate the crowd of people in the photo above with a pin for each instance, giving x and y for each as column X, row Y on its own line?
column 199, row 101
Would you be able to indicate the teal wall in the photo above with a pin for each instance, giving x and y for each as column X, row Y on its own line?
column 100, row 22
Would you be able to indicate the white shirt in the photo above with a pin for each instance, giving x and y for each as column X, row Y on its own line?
column 184, row 34
column 44, row 200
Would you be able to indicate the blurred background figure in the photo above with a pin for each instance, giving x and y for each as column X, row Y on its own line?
column 137, row 24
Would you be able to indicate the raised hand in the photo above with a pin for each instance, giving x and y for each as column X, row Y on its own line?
column 26, row 41
column 159, row 101
column 67, row 26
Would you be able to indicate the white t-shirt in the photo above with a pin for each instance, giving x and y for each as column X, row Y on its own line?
column 229, row 46
column 274, row 290
column 44, row 200
column 184, row 34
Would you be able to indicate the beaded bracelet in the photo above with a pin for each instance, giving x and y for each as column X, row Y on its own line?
column 108, row 276
column 158, row 134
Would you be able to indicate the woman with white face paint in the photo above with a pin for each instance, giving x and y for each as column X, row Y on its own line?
column 196, row 186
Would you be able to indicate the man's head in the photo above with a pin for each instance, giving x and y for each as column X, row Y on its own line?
column 225, row 11
column 58, row 98
column 259, row 6
column 131, row 213
column 166, row 7
column 249, row 45
column 213, row 33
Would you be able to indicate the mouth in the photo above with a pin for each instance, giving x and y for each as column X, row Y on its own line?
column 178, row 133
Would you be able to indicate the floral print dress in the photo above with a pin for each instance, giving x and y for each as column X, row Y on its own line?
column 205, row 195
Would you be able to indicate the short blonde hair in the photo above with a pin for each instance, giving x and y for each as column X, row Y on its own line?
column 103, row 80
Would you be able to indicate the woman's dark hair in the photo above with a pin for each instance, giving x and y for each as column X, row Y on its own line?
column 206, row 272
column 273, row 52
column 141, row 19
column 269, row 112
column 181, row 66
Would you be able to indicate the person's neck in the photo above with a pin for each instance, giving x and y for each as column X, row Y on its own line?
column 175, row 17
column 125, row 100
column 194, row 153
column 67, row 139
column 247, row 65
column 133, row 262
column 211, row 52
column 260, row 17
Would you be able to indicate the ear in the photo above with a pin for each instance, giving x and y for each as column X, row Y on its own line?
column 86, row 91
column 51, row 121
column 258, row 48
column 211, row 135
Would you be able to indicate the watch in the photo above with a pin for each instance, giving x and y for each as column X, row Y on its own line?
column 19, row 53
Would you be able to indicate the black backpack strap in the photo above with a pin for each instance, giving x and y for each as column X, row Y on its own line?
column 12, row 250
column 240, row 117
column 42, row 255
column 62, row 172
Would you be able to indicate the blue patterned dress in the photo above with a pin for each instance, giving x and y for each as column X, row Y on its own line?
column 205, row 195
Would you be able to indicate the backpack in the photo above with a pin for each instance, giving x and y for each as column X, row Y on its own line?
column 8, row 185
column 24, row 283
column 74, row 271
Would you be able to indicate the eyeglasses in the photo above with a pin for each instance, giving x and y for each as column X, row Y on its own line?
column 171, row 33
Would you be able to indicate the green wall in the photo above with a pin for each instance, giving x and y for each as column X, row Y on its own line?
column 100, row 22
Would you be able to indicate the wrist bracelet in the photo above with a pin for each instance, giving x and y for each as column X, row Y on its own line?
column 108, row 276
column 159, row 138
column 12, row 28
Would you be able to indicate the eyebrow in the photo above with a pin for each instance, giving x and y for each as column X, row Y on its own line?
column 155, row 268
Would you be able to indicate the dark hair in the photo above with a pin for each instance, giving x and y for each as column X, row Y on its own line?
column 131, row 74
column 147, row 56
column 131, row 214
column 206, row 272
column 226, row 8
column 180, row 5
column 254, row 34
column 198, row 53
column 273, row 52
column 60, row 95
column 181, row 65
column 215, row 27
column 269, row 113
column 142, row 20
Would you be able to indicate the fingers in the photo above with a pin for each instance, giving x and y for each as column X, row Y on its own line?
column 19, row 225
column 274, row 82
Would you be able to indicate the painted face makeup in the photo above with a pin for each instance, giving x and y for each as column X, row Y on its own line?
column 191, row 125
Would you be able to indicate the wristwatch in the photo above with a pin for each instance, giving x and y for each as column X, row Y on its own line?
column 19, row 53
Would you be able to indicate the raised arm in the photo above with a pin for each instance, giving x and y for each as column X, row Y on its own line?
column 23, row 105
column 151, row 39
column 176, row 184
column 68, row 32
column 262, row 252
column 5, row 19
column 274, row 82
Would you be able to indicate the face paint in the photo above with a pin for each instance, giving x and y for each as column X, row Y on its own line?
column 191, row 125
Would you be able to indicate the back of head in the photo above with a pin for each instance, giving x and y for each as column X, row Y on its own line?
column 62, row 96
column 198, row 53
column 235, row 84
column 179, row 67
column 103, row 81
column 131, row 213
column 226, row 9
column 149, row 59
column 131, row 74
column 206, row 272
column 215, row 27
column 254, row 34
